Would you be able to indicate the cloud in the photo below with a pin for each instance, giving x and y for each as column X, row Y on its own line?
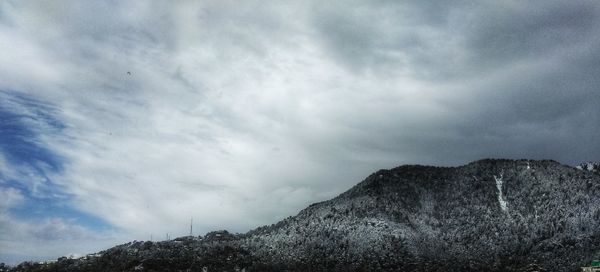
column 43, row 239
column 531, row 30
column 9, row 198
column 141, row 115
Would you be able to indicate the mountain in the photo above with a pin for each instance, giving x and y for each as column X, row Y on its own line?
column 488, row 215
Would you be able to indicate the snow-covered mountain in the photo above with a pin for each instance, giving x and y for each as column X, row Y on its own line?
column 489, row 215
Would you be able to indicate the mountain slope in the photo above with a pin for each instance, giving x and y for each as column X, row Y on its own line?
column 491, row 215
column 453, row 217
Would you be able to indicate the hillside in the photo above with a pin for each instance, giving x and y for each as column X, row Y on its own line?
column 490, row 215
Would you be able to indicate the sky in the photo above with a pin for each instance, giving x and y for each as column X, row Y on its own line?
column 122, row 120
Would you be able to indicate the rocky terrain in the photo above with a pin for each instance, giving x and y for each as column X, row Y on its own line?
column 489, row 215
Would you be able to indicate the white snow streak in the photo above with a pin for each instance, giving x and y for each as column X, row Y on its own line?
column 501, row 200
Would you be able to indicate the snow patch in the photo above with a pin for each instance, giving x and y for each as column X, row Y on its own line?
column 589, row 166
column 501, row 200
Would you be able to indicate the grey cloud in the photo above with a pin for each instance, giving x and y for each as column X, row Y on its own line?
column 393, row 38
column 511, row 77
column 511, row 32
column 453, row 40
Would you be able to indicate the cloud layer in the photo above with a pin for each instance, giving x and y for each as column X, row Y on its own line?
column 240, row 114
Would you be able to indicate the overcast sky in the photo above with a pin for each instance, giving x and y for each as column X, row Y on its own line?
column 123, row 119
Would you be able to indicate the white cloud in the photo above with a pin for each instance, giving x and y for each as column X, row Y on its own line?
column 48, row 239
column 8, row 198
